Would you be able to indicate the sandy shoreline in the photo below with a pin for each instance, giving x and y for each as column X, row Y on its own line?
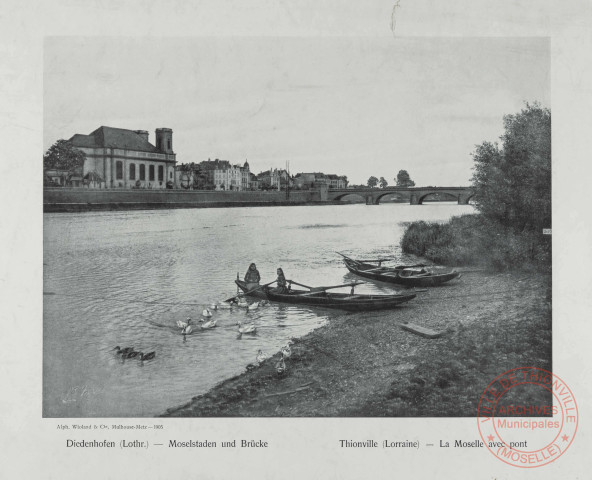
column 367, row 365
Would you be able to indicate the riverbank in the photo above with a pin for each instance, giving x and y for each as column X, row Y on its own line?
column 99, row 207
column 367, row 365
column 88, row 199
column 474, row 240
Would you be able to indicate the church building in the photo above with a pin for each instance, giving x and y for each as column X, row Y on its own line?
column 122, row 158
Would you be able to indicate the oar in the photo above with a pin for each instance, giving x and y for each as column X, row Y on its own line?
column 322, row 289
column 249, row 292
column 299, row 284
column 380, row 260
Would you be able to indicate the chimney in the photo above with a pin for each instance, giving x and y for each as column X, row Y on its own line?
column 143, row 134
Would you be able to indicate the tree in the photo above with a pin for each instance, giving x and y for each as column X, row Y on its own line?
column 372, row 181
column 404, row 180
column 513, row 182
column 383, row 183
column 62, row 155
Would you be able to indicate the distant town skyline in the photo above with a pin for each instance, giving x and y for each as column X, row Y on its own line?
column 350, row 106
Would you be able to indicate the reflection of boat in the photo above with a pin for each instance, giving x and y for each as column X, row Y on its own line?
column 322, row 298
column 410, row 276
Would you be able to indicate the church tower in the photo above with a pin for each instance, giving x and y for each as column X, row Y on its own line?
column 164, row 140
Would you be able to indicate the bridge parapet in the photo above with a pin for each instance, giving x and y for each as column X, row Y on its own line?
column 416, row 195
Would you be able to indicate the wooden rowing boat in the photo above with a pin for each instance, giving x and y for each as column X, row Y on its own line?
column 410, row 275
column 322, row 298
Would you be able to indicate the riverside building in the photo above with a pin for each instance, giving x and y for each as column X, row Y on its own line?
column 120, row 158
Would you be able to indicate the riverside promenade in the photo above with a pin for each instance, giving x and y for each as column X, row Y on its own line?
column 87, row 199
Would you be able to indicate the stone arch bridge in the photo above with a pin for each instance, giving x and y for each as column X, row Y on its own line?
column 416, row 195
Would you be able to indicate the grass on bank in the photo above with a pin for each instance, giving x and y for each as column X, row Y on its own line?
column 450, row 379
column 472, row 240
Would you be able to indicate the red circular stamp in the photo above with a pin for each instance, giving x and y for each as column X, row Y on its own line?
column 527, row 417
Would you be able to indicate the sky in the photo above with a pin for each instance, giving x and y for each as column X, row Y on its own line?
column 354, row 106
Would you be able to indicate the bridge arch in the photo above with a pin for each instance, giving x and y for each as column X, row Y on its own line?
column 360, row 197
column 451, row 197
column 399, row 196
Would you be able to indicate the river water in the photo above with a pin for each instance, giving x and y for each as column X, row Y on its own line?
column 125, row 278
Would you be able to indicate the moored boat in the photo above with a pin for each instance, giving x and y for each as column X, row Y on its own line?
column 322, row 298
column 410, row 276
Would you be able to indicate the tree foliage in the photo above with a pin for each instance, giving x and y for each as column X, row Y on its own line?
column 383, row 183
column 372, row 181
column 404, row 180
column 512, row 182
column 63, row 155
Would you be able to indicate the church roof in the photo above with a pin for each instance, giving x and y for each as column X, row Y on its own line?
column 109, row 137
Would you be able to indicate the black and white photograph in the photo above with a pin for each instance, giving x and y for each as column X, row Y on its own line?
column 354, row 235
column 376, row 216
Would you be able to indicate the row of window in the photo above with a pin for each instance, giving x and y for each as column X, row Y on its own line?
column 142, row 173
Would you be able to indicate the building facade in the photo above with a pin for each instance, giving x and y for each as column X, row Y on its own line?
column 269, row 180
column 120, row 158
column 222, row 174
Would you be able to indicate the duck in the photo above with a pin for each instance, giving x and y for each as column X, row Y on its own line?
column 147, row 356
column 250, row 328
column 253, row 306
column 181, row 324
column 123, row 351
column 185, row 327
column 131, row 354
column 280, row 367
column 206, row 313
column 261, row 357
column 209, row 324
column 242, row 303
column 263, row 303
column 286, row 350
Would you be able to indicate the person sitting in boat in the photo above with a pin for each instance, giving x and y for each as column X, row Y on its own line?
column 282, row 284
column 252, row 276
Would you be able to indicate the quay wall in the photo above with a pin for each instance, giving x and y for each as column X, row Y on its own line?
column 80, row 199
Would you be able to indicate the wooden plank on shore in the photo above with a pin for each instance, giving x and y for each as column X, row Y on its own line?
column 421, row 331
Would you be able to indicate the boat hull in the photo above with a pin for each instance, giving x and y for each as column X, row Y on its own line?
column 340, row 301
column 392, row 275
column 255, row 293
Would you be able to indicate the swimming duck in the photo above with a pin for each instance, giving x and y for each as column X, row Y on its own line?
column 131, row 354
column 250, row 328
column 206, row 313
column 242, row 303
column 209, row 324
column 185, row 327
column 181, row 324
column 280, row 367
column 253, row 306
column 261, row 357
column 147, row 356
column 123, row 351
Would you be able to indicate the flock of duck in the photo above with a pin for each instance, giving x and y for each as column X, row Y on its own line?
column 207, row 322
column 129, row 352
